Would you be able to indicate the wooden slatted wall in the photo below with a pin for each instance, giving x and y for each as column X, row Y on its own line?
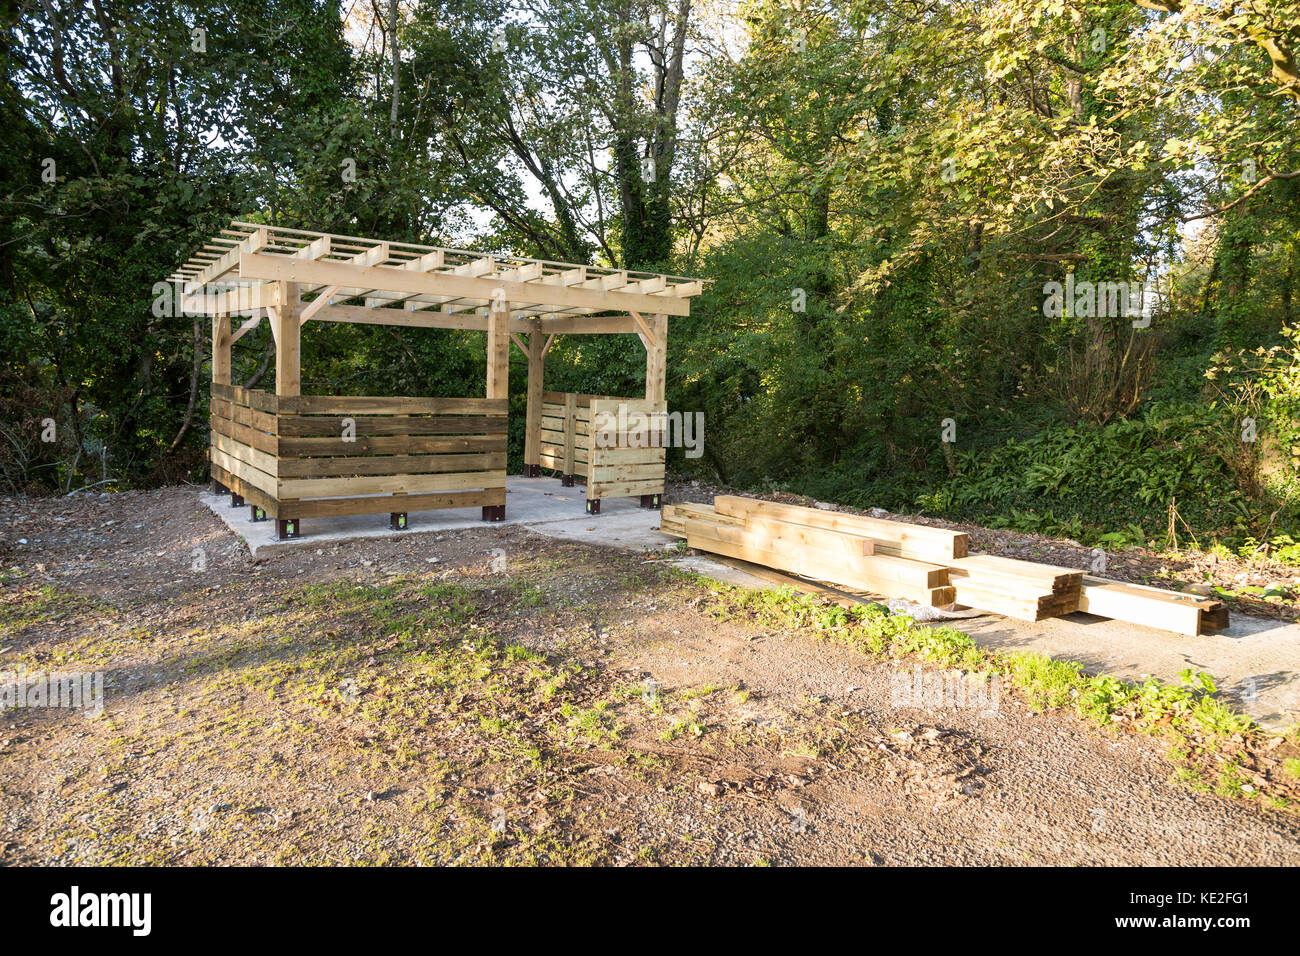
column 313, row 456
column 617, row 471
column 243, row 448
column 625, row 453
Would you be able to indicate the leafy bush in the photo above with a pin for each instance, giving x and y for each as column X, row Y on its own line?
column 1115, row 485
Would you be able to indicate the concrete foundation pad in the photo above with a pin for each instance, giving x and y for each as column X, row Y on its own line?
column 540, row 502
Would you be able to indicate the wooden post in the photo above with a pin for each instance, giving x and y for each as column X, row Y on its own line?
column 498, row 373
column 288, row 342
column 498, row 349
column 570, row 437
column 533, row 425
column 656, row 360
column 221, row 348
column 288, row 382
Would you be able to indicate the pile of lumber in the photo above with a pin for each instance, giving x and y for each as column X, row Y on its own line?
column 930, row 566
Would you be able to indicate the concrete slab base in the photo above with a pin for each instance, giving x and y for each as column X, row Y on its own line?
column 539, row 502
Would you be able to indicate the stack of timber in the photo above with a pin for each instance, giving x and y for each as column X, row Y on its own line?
column 931, row 566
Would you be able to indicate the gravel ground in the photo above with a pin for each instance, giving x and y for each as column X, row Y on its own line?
column 364, row 704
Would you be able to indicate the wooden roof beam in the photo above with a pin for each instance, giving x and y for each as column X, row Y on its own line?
column 683, row 290
column 395, row 279
column 477, row 267
column 427, row 262
column 526, row 273
column 566, row 278
column 651, row 285
column 244, row 298
column 615, row 280
column 228, row 262
column 372, row 256
column 317, row 249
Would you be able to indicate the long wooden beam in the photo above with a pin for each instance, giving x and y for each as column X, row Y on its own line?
column 242, row 299
column 255, row 265
column 588, row 324
column 423, row 319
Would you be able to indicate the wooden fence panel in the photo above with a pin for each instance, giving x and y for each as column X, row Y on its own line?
column 626, row 448
column 313, row 456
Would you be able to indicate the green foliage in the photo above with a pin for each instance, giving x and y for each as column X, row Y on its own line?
column 1113, row 484
column 880, row 219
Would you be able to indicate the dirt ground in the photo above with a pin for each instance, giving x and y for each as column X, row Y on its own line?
column 493, row 696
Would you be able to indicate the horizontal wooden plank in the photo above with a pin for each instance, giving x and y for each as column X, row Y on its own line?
column 381, row 504
column 583, row 400
column 389, row 484
column 353, row 405
column 579, row 454
column 673, row 517
column 557, row 464
column 864, row 569
column 1020, row 605
column 1152, row 607
column 260, row 460
column 243, row 470
column 251, row 397
column 892, row 537
column 243, row 415
column 628, row 456
column 557, row 425
column 638, row 406
column 260, row 440
column 557, row 434
column 391, row 445
column 389, row 465
column 625, row 489
column 250, row 493
column 305, row 426
column 992, row 568
column 846, row 570
column 770, row 534
column 254, row 265
column 616, row 474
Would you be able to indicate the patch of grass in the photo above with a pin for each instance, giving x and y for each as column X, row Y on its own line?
column 1188, row 712
column 596, row 724
column 693, row 727
column 524, row 592
column 1047, row 683
column 27, row 607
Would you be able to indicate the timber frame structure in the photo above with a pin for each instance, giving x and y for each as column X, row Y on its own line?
column 291, row 456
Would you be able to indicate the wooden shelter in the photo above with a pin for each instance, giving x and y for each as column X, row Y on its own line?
column 293, row 456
